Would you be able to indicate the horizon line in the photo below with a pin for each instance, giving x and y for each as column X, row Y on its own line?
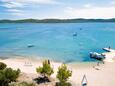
column 57, row 18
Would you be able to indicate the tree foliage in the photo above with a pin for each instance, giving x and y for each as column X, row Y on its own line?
column 63, row 75
column 22, row 84
column 80, row 20
column 46, row 70
column 2, row 65
column 8, row 75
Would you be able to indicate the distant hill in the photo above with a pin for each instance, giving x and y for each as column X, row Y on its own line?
column 57, row 20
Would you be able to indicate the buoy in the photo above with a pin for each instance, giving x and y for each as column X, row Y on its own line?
column 75, row 34
column 80, row 28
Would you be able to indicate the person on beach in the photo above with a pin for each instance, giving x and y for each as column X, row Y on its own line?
column 48, row 61
column 98, row 63
column 109, row 47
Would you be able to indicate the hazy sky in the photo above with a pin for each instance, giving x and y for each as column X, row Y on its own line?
column 40, row 9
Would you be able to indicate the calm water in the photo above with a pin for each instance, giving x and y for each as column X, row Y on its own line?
column 56, row 41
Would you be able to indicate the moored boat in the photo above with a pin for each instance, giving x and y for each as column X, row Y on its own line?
column 97, row 56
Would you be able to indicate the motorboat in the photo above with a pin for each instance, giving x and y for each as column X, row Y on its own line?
column 30, row 45
column 97, row 56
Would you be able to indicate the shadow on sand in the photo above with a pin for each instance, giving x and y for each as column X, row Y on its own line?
column 41, row 80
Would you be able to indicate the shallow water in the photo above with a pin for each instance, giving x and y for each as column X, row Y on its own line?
column 67, row 42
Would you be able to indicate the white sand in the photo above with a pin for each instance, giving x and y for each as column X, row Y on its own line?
column 109, row 56
column 102, row 77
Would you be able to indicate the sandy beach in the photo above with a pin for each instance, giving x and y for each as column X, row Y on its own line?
column 97, row 75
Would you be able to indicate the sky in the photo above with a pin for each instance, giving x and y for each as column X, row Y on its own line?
column 61, row 9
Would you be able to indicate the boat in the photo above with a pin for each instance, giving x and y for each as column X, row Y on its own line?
column 75, row 34
column 108, row 49
column 97, row 56
column 30, row 45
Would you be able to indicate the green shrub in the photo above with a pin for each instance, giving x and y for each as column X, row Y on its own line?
column 63, row 75
column 45, row 70
column 22, row 84
column 63, row 84
column 8, row 75
column 11, row 74
column 2, row 65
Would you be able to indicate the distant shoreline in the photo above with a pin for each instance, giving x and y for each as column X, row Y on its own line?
column 58, row 20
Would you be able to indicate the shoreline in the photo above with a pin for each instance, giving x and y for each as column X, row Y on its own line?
column 36, row 60
column 40, row 58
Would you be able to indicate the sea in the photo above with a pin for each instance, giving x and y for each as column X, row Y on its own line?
column 65, row 42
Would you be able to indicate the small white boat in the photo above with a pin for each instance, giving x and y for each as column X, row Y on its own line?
column 30, row 45
column 97, row 56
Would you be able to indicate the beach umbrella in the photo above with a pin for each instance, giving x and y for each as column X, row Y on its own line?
column 84, row 81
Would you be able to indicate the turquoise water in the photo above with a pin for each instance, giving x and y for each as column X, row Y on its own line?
column 56, row 41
